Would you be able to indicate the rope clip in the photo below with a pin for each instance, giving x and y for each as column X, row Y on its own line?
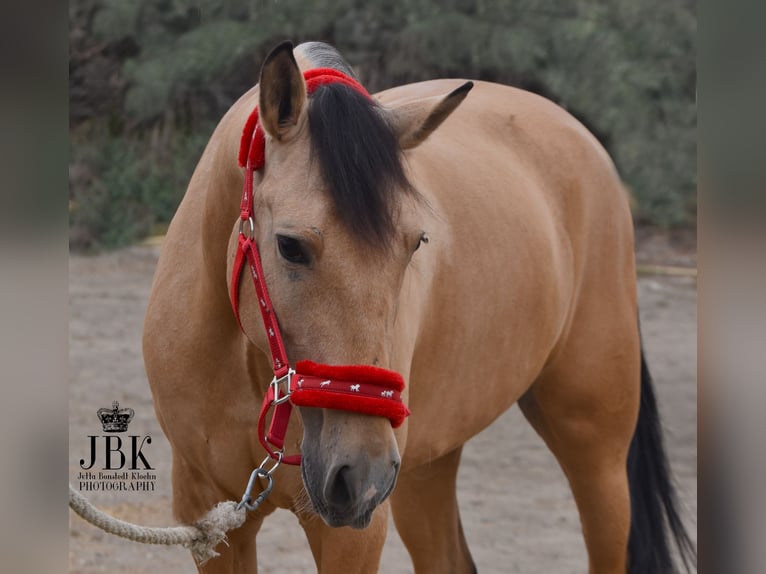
column 262, row 471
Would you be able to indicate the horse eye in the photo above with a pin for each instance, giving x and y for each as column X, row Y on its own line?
column 423, row 239
column 292, row 250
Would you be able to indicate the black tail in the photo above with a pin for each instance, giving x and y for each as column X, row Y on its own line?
column 655, row 518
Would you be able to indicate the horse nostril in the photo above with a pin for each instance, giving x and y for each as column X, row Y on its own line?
column 338, row 488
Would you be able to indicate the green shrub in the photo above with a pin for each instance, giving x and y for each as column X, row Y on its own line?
column 119, row 192
column 164, row 72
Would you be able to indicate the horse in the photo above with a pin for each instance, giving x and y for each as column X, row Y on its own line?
column 474, row 238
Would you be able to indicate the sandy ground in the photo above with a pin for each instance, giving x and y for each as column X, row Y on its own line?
column 517, row 509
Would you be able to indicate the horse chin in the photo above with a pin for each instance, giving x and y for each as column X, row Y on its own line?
column 359, row 521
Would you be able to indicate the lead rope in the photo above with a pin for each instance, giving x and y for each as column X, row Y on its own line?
column 201, row 537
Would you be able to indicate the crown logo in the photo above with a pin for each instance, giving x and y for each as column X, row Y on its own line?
column 115, row 419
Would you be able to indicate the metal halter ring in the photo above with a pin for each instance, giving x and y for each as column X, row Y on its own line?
column 250, row 223
column 277, row 462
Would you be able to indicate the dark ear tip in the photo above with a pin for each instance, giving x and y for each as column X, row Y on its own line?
column 461, row 91
column 286, row 46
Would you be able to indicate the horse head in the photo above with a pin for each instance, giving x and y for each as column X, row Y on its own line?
column 335, row 221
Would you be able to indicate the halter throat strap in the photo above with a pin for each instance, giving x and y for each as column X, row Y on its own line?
column 358, row 388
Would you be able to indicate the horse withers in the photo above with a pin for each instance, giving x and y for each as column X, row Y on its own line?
column 473, row 240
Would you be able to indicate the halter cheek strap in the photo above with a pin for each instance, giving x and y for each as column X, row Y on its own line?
column 363, row 389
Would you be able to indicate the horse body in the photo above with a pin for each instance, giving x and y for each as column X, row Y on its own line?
column 483, row 311
column 525, row 292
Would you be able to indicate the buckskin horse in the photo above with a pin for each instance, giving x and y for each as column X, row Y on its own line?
column 462, row 246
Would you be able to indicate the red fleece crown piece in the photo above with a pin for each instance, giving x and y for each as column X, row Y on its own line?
column 252, row 146
column 357, row 388
column 253, row 143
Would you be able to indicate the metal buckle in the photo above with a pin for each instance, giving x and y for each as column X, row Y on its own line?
column 275, row 382
column 250, row 223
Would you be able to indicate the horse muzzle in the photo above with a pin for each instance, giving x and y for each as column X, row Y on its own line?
column 346, row 491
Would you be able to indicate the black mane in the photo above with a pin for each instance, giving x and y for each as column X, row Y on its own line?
column 360, row 160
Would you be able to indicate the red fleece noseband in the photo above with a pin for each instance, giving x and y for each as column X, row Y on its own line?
column 362, row 389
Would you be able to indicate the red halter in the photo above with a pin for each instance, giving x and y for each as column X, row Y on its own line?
column 359, row 388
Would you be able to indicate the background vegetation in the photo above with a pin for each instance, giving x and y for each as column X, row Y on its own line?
column 149, row 79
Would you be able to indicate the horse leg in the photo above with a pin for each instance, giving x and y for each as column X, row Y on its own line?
column 193, row 497
column 237, row 553
column 585, row 410
column 427, row 517
column 345, row 550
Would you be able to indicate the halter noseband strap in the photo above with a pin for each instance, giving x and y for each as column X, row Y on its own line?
column 359, row 388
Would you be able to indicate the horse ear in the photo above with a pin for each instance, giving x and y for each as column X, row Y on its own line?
column 414, row 121
column 282, row 92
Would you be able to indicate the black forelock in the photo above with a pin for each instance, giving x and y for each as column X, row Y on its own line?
column 360, row 161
